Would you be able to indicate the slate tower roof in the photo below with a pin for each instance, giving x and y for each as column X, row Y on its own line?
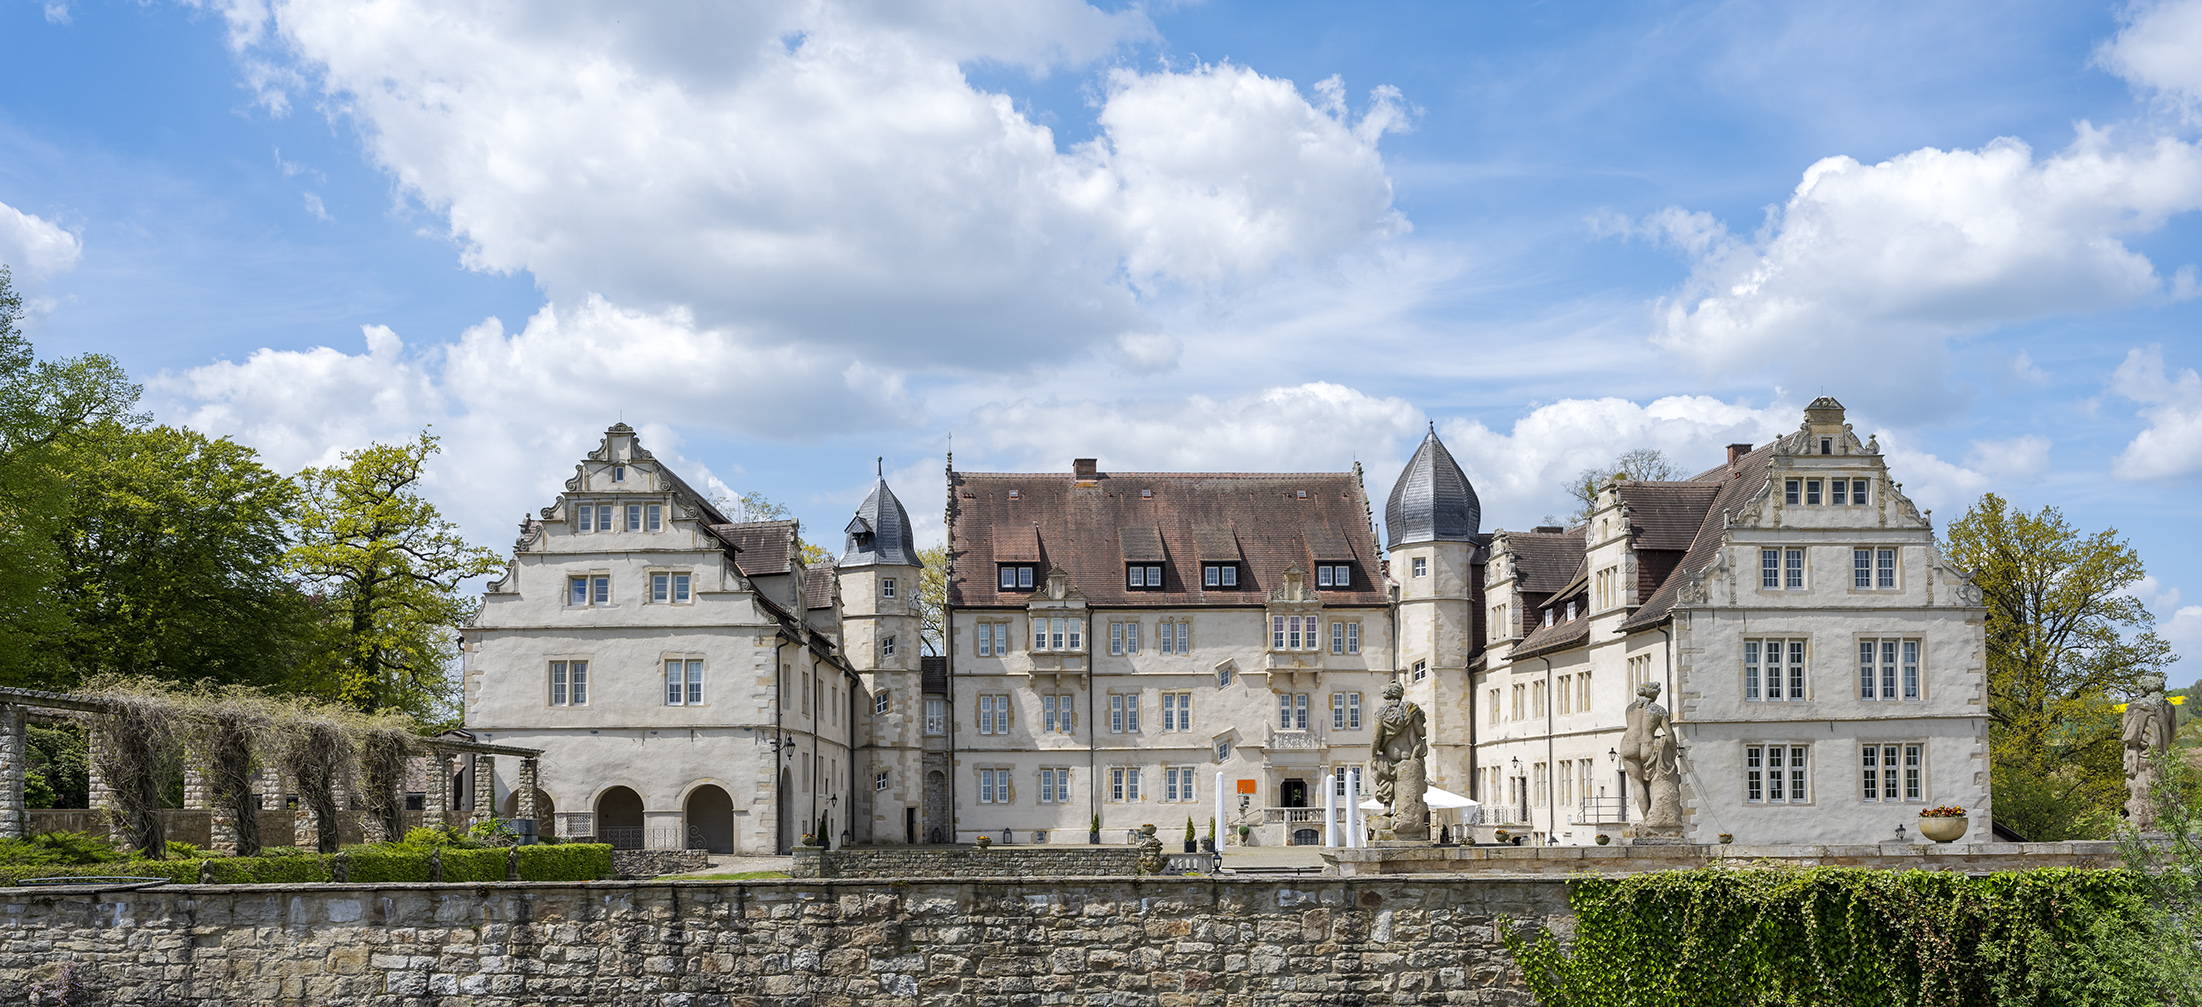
column 1432, row 501
column 880, row 533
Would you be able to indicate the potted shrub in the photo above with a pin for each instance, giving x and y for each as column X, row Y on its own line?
column 1208, row 845
column 1726, row 838
column 1945, row 824
column 984, row 840
column 1093, row 833
column 1603, row 839
column 1192, row 844
column 1244, row 832
column 1500, row 836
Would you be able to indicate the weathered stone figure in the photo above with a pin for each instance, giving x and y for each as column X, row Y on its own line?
column 1396, row 761
column 1648, row 756
column 2148, row 731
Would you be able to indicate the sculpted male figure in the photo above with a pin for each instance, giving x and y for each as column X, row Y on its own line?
column 2148, row 731
column 1396, row 763
column 1648, row 757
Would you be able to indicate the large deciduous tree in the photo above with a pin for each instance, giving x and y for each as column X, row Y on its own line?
column 1642, row 464
column 389, row 567
column 2065, row 642
column 933, row 599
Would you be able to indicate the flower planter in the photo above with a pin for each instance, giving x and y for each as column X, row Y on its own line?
column 1603, row 839
column 1094, row 838
column 1726, row 838
column 1943, row 830
column 1191, row 846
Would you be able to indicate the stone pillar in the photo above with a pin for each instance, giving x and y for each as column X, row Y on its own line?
column 102, row 796
column 485, row 788
column 305, row 828
column 14, row 820
column 525, row 806
column 436, row 801
column 198, row 795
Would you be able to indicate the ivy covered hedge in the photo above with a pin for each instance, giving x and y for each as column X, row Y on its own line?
column 359, row 865
column 1852, row 937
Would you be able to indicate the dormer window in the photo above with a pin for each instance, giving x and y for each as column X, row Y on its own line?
column 1014, row 494
column 1548, row 617
column 1146, row 577
column 1219, row 575
column 1146, row 494
column 1338, row 576
column 1571, row 611
column 1017, row 576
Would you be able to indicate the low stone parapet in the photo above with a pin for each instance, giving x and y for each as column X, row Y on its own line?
column 966, row 862
column 641, row 865
column 1631, row 859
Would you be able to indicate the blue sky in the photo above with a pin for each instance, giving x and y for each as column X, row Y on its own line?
column 786, row 239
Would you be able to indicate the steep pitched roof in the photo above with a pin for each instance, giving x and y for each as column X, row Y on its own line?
column 1545, row 561
column 1089, row 526
column 880, row 532
column 1433, row 500
column 817, row 589
column 1667, row 515
column 1733, row 485
column 763, row 548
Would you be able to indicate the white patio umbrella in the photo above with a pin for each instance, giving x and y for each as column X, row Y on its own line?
column 1437, row 798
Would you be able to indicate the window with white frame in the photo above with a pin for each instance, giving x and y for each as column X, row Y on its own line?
column 886, row 587
column 1888, row 670
column 1345, row 711
column 569, row 683
column 619, row 473
column 1337, row 575
column 593, row 589
column 994, row 713
column 1792, row 491
column 1493, row 703
column 992, row 638
column 1124, row 713
column 1781, row 569
column 1520, row 694
column 1891, row 774
column 1345, row 637
column 1540, row 776
column 1124, row 638
column 994, row 786
column 1017, row 576
column 1582, row 692
column 1219, row 575
column 1565, row 694
column 1177, row 711
column 1294, row 632
column 1225, row 671
column 1776, row 774
column 881, row 704
column 1421, row 566
column 683, row 682
column 1054, row 786
column 1058, row 635
column 1421, row 670
column 653, row 517
column 879, row 780
column 1124, row 783
column 634, row 517
column 1223, row 749
column 1774, row 670
column 1177, row 784
column 1607, row 580
column 1058, row 713
column 1174, row 636
column 1338, row 779
column 1143, row 576
column 1857, row 492
column 589, row 517
column 887, row 645
column 668, row 588
column 1639, row 671
column 1873, row 569
column 1292, row 711
column 936, row 716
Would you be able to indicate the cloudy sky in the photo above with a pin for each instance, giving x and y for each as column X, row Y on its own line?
column 785, row 239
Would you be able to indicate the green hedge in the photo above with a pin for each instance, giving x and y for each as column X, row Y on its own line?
column 389, row 864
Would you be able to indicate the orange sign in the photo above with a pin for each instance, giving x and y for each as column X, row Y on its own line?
column 1246, row 787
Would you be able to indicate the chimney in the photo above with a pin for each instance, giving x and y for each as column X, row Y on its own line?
column 1085, row 469
column 1737, row 451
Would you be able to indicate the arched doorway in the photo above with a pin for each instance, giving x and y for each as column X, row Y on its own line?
column 710, row 814
column 783, row 815
column 619, row 819
column 545, row 812
column 936, row 807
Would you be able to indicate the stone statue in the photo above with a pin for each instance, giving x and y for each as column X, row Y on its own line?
column 2148, row 730
column 1396, row 762
column 1648, row 756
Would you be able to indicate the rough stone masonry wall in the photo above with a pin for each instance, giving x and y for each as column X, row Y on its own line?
column 965, row 862
column 993, row 943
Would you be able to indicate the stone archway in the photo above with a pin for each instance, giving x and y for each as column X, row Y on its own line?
column 546, row 814
column 619, row 819
column 710, row 815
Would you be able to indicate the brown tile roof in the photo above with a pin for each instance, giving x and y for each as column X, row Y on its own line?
column 764, row 547
column 1733, row 485
column 1546, row 561
column 1667, row 515
column 1081, row 525
column 818, row 588
column 1556, row 637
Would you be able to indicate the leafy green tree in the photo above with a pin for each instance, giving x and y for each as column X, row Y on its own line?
column 933, row 599
column 42, row 404
column 2065, row 643
column 389, row 567
column 1643, row 464
column 172, row 560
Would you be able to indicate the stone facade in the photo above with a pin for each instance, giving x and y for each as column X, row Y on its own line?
column 1161, row 941
column 642, row 865
column 968, row 862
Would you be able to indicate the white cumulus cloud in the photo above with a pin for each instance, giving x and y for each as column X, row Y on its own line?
column 2159, row 50
column 2171, row 445
column 1867, row 270
column 35, row 247
column 1312, row 427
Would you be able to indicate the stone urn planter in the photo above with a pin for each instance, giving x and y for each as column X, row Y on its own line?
column 984, row 841
column 1943, row 830
column 1726, row 838
column 1603, row 839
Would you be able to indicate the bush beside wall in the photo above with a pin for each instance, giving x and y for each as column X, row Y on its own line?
column 366, row 865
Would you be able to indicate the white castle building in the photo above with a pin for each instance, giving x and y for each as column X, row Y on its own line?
column 1115, row 641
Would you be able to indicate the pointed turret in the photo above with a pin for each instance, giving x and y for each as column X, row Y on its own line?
column 1433, row 500
column 880, row 533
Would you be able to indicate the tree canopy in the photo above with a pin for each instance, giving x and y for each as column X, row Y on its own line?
column 2065, row 642
column 1644, row 464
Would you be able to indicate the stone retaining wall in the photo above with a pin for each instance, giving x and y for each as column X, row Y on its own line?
column 1071, row 941
column 1516, row 860
column 642, row 865
column 966, row 862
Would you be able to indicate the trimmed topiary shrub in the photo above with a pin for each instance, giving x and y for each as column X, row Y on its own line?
column 385, row 864
column 473, row 865
column 566, row 862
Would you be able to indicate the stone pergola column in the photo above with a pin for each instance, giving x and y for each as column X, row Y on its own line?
column 14, row 821
column 485, row 788
column 436, row 799
column 525, row 805
column 198, row 795
column 102, row 797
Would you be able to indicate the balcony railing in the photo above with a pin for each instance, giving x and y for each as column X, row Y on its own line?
column 1600, row 811
column 673, row 838
column 1282, row 739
